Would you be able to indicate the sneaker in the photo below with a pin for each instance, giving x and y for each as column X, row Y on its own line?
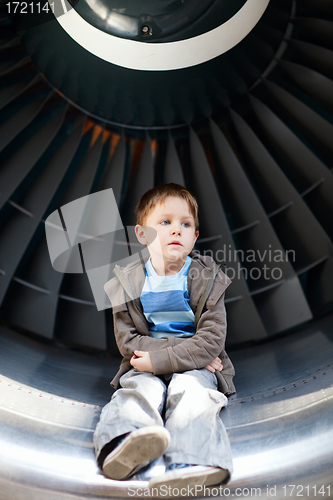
column 184, row 475
column 137, row 449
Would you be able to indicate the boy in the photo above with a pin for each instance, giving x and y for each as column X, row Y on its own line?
column 172, row 341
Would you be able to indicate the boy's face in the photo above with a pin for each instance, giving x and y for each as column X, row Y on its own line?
column 176, row 234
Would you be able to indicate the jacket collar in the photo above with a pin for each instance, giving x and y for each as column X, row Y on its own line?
column 199, row 272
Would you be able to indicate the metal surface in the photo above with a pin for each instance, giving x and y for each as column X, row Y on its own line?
column 163, row 18
column 280, row 422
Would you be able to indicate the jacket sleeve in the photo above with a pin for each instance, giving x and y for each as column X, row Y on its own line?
column 126, row 334
column 208, row 342
column 174, row 354
column 129, row 340
column 198, row 351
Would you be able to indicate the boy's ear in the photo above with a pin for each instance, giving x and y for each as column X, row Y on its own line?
column 140, row 234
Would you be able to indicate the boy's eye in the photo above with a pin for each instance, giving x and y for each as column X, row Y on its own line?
column 167, row 222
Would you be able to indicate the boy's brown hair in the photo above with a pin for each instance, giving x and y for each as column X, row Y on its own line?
column 158, row 194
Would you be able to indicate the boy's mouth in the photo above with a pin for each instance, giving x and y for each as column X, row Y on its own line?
column 175, row 243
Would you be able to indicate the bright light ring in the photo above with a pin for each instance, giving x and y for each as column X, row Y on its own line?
column 163, row 56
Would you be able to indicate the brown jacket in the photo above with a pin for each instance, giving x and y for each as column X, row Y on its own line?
column 173, row 354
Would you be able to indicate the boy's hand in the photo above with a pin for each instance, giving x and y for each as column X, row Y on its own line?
column 216, row 364
column 141, row 361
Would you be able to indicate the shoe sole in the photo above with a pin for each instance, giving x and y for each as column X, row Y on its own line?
column 139, row 448
column 188, row 477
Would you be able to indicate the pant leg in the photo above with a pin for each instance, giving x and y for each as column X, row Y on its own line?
column 138, row 403
column 198, row 435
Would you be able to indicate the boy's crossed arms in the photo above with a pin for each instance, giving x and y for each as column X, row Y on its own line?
column 141, row 361
column 174, row 354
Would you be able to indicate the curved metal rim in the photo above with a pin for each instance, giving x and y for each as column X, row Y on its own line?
column 163, row 56
column 277, row 434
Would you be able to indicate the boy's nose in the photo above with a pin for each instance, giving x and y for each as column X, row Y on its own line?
column 175, row 230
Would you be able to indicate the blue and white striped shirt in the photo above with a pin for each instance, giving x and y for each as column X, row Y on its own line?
column 166, row 303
